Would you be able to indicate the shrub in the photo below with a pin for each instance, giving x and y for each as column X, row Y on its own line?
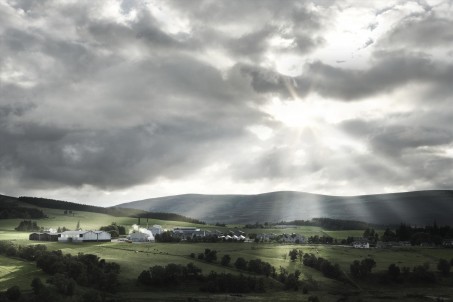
column 13, row 293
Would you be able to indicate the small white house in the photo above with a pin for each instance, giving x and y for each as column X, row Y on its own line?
column 361, row 244
column 84, row 236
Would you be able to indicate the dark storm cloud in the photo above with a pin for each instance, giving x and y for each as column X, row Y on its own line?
column 182, row 132
column 391, row 70
column 409, row 148
column 117, row 101
column 98, row 118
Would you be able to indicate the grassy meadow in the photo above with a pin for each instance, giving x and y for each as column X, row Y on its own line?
column 134, row 258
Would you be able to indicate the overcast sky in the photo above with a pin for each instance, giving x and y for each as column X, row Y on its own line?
column 104, row 102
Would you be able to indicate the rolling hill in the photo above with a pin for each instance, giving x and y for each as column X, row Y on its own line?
column 419, row 207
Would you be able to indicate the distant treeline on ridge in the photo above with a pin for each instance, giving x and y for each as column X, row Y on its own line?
column 10, row 210
column 170, row 216
column 20, row 212
column 331, row 224
column 114, row 211
column 66, row 205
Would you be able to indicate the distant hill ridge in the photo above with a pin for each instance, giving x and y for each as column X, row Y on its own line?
column 418, row 207
column 32, row 208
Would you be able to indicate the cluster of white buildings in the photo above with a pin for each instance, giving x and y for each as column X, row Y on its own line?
column 184, row 233
column 281, row 238
column 139, row 234
column 73, row 236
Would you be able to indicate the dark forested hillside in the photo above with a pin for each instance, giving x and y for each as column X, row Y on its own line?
column 331, row 224
column 10, row 208
column 66, row 205
column 422, row 207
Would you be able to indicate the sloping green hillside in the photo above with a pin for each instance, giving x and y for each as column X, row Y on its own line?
column 422, row 207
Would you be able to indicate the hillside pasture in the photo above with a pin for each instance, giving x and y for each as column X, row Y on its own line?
column 18, row 272
column 88, row 221
column 134, row 258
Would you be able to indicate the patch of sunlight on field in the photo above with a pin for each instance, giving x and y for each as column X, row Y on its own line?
column 409, row 257
column 17, row 272
column 9, row 224
column 88, row 221
column 13, row 235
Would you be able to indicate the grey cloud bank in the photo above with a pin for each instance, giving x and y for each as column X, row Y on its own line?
column 119, row 100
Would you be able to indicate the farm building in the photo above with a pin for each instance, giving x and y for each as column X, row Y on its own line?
column 44, row 236
column 156, row 229
column 186, row 232
column 84, row 236
column 141, row 237
column 448, row 243
column 361, row 244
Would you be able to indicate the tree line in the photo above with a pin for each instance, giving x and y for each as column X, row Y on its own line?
column 114, row 211
column 173, row 274
column 290, row 281
column 169, row 216
column 21, row 212
column 28, row 226
column 72, row 206
column 66, row 271
column 430, row 234
column 330, row 224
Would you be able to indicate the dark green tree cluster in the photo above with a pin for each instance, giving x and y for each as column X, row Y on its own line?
column 371, row 235
column 169, row 275
column 422, row 274
column 114, row 229
column 361, row 269
column 29, row 252
column 327, row 268
column 66, row 272
column 431, row 234
column 419, row 274
column 320, row 240
column 329, row 224
column 27, row 226
column 20, row 212
column 289, row 280
column 166, row 237
column 62, row 229
column 389, row 236
column 295, row 254
column 256, row 266
column 64, row 285
column 210, row 255
column 210, row 239
column 229, row 283
column 85, row 269
column 226, row 259
column 169, row 216
column 444, row 266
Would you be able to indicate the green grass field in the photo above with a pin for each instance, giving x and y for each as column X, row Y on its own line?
column 17, row 272
column 134, row 258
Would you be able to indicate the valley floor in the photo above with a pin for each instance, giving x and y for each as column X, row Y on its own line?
column 134, row 258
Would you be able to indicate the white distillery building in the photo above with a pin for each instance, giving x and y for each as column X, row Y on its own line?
column 140, row 237
column 156, row 229
column 84, row 236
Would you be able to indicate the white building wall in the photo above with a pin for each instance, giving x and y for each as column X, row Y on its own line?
column 104, row 236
